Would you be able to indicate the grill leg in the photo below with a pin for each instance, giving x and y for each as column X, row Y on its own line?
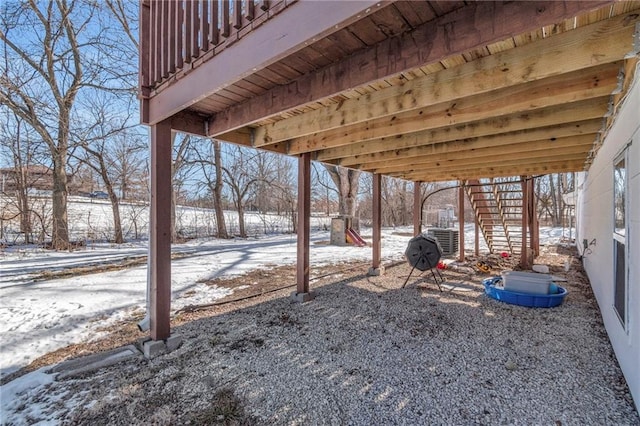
column 407, row 280
column 436, row 278
column 433, row 274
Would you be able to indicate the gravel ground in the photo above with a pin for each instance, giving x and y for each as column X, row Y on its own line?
column 368, row 352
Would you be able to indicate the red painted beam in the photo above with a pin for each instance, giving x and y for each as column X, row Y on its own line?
column 160, row 238
column 471, row 27
column 284, row 34
column 377, row 222
column 524, row 255
column 417, row 208
column 534, row 226
column 304, row 212
column 461, row 221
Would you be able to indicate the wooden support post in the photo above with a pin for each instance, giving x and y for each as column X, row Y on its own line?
column 476, row 240
column 417, row 208
column 160, row 224
column 376, row 267
column 524, row 255
column 534, row 226
column 302, row 293
column 461, row 221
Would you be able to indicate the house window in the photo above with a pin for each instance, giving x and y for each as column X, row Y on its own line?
column 619, row 236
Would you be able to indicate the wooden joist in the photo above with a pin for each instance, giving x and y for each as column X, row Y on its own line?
column 560, row 90
column 444, row 154
column 596, row 44
column 527, row 136
column 438, row 165
column 554, row 116
column 496, row 170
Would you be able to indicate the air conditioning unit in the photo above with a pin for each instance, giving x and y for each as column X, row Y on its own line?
column 448, row 239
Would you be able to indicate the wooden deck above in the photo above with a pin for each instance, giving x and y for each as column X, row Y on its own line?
column 421, row 90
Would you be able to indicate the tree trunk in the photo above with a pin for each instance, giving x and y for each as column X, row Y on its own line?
column 555, row 219
column 243, row 232
column 117, row 223
column 217, row 192
column 347, row 181
column 60, row 237
column 25, row 215
column 23, row 199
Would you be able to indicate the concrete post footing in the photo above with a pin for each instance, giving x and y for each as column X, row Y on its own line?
column 376, row 272
column 154, row 348
column 303, row 297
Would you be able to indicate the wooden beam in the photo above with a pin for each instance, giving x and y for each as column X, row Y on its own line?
column 244, row 137
column 438, row 163
column 261, row 48
column 524, row 254
column 417, row 208
column 160, row 224
column 569, row 52
column 467, row 28
column 527, row 166
column 377, row 223
column 527, row 136
column 567, row 88
column 190, row 123
column 541, row 158
column 534, row 228
column 497, row 171
column 442, row 156
column 304, row 214
column 554, row 116
column 461, row 221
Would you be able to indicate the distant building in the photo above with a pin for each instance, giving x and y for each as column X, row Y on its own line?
column 37, row 178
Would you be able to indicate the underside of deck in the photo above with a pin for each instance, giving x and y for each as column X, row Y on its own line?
column 420, row 90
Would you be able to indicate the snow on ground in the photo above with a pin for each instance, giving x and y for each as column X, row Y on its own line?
column 37, row 317
column 91, row 220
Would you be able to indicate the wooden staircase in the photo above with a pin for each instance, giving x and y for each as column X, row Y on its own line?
column 497, row 204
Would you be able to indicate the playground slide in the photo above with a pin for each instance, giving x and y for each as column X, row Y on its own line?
column 354, row 238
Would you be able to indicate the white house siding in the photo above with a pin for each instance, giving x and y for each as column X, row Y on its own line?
column 595, row 222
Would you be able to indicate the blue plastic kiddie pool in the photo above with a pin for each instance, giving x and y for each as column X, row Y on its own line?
column 523, row 299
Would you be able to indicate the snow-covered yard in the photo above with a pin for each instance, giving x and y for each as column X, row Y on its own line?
column 91, row 220
column 44, row 315
column 37, row 317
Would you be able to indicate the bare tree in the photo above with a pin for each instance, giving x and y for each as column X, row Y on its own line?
column 217, row 191
column 129, row 165
column 210, row 162
column 183, row 167
column 549, row 191
column 20, row 148
column 276, row 186
column 112, row 157
column 346, row 181
column 55, row 50
column 240, row 179
column 396, row 210
column 323, row 190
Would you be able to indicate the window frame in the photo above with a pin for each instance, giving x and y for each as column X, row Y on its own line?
column 620, row 239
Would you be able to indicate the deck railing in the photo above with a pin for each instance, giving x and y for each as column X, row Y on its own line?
column 174, row 34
